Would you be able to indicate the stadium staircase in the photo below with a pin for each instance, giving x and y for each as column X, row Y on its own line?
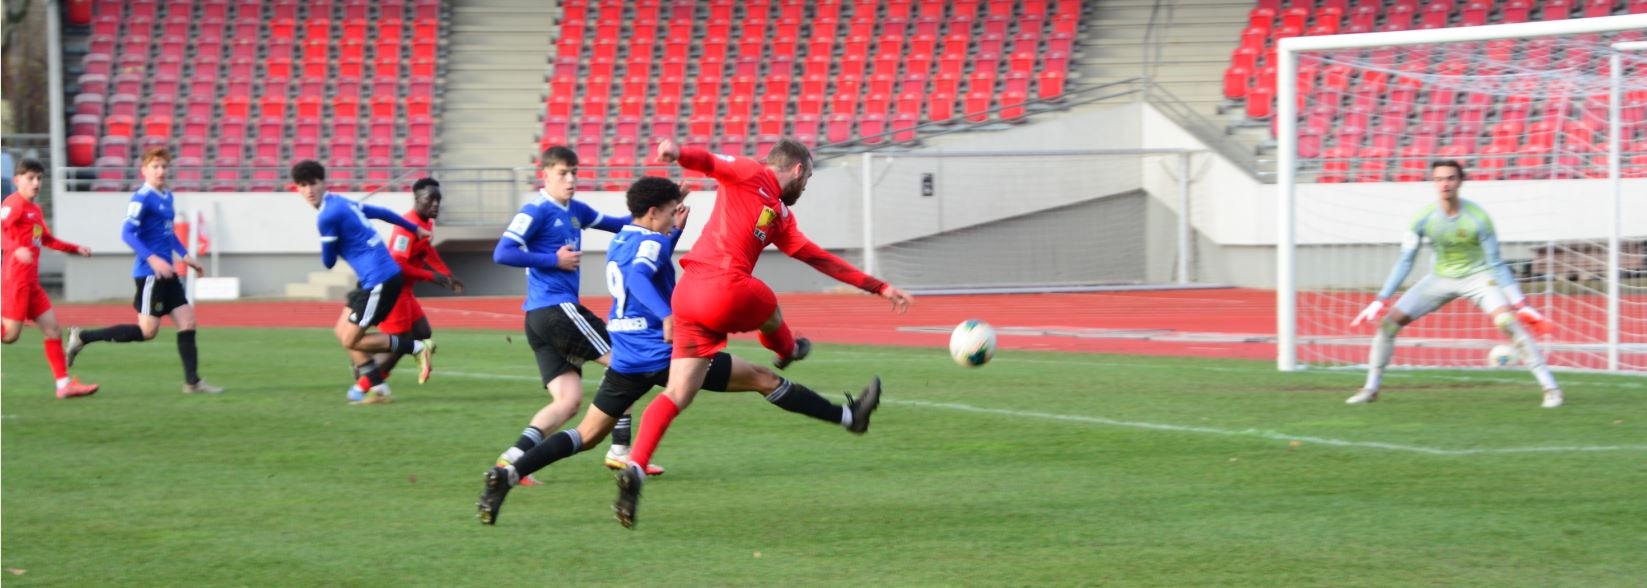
column 1181, row 46
column 495, row 80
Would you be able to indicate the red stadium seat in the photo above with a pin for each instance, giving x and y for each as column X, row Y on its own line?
column 1557, row 9
column 157, row 125
column 82, row 150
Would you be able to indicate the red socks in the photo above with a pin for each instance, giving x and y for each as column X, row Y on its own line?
column 366, row 383
column 782, row 341
column 54, row 356
column 654, row 422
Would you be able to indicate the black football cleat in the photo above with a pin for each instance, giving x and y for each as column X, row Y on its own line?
column 863, row 405
column 491, row 497
column 803, row 348
column 629, row 489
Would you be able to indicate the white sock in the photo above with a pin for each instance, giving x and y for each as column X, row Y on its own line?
column 511, row 454
column 417, row 347
column 1383, row 347
column 62, row 382
column 846, row 416
column 514, row 476
column 1530, row 353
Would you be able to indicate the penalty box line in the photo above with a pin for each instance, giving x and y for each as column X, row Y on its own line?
column 1248, row 433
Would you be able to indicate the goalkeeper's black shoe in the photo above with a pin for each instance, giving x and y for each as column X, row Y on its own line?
column 630, row 479
column 803, row 348
column 864, row 405
column 491, row 497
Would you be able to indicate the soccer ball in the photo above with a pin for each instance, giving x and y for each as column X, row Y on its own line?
column 1501, row 356
column 972, row 344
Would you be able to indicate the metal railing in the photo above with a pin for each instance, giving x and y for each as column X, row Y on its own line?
column 1208, row 132
column 988, row 119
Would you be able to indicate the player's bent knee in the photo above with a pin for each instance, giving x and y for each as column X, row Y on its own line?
column 1503, row 320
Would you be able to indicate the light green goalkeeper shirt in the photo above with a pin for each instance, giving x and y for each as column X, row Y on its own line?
column 1465, row 244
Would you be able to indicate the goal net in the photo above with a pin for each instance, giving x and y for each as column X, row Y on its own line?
column 1526, row 109
column 1025, row 221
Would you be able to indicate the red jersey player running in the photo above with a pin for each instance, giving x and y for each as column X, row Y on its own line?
column 23, row 230
column 419, row 262
column 718, row 294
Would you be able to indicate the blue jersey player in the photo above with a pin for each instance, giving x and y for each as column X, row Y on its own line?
column 546, row 238
column 641, row 276
column 158, row 270
column 346, row 231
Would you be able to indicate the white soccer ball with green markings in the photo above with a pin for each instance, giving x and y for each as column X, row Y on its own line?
column 972, row 344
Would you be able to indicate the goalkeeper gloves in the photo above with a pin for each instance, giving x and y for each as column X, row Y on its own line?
column 1369, row 314
column 1535, row 321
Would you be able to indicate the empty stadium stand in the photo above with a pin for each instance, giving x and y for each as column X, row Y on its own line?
column 735, row 76
column 240, row 88
column 1370, row 128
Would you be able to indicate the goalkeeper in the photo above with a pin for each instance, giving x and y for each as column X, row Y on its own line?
column 1467, row 264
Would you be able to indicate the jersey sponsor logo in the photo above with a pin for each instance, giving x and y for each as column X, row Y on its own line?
column 133, row 211
column 626, row 325
column 5, row 212
column 401, row 243
column 764, row 221
column 520, row 223
column 557, row 224
column 649, row 251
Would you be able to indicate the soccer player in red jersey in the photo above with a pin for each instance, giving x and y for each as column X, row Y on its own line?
column 419, row 262
column 23, row 230
column 717, row 293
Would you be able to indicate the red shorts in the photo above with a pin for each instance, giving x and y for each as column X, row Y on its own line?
column 710, row 306
column 405, row 313
column 23, row 300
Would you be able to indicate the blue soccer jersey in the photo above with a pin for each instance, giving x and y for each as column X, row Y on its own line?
column 148, row 229
column 534, row 236
column 641, row 277
column 345, row 231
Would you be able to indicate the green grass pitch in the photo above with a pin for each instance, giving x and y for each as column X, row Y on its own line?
column 1038, row 469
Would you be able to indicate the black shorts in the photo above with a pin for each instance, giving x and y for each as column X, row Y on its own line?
column 619, row 391
column 369, row 306
column 565, row 336
column 157, row 296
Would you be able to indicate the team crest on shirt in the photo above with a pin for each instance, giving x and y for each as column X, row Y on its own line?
column 764, row 221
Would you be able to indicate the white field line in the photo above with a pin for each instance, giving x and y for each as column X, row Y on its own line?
column 1620, row 382
column 1253, row 433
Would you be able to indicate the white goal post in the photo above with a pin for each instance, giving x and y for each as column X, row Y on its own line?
column 1605, row 340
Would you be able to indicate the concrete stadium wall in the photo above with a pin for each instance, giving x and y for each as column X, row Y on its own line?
column 268, row 240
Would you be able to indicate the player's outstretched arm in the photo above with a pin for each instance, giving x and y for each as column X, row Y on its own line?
column 389, row 216
column 1398, row 274
column 514, row 254
column 49, row 240
column 796, row 245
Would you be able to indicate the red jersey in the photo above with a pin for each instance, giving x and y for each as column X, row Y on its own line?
column 23, row 225
column 748, row 216
column 413, row 252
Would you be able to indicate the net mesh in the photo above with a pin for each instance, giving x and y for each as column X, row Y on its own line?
column 1529, row 120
